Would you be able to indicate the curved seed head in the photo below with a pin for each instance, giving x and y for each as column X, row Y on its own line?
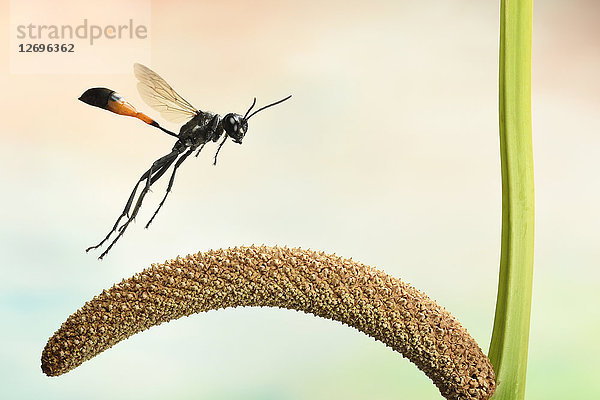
column 325, row 285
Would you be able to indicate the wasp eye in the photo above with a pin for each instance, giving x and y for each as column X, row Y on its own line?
column 236, row 126
column 231, row 123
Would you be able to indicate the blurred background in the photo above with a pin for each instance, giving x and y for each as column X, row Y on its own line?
column 387, row 153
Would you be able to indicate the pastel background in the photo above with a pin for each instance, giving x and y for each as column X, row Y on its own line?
column 388, row 153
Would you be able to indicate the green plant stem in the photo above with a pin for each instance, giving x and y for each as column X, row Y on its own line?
column 510, row 337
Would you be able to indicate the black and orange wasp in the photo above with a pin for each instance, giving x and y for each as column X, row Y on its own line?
column 201, row 128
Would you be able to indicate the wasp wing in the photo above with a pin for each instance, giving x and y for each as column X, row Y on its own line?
column 159, row 95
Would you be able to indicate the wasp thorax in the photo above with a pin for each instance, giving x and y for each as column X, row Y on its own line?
column 236, row 126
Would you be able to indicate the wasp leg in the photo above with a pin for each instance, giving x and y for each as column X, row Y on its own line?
column 124, row 213
column 150, row 176
column 160, row 172
column 149, row 182
column 201, row 147
column 177, row 164
column 219, row 149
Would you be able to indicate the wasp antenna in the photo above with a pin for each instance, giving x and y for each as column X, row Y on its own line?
column 251, row 107
column 267, row 106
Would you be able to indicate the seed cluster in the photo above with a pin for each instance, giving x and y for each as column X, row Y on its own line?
column 313, row 282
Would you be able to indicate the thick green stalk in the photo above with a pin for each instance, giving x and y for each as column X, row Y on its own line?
column 510, row 338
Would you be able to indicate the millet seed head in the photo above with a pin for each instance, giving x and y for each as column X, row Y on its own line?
column 325, row 285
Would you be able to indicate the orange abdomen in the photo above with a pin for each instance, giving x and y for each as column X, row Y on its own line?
column 114, row 102
column 118, row 105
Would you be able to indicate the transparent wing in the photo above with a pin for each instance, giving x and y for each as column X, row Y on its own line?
column 157, row 93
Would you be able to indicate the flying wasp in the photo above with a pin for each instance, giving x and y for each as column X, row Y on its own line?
column 201, row 128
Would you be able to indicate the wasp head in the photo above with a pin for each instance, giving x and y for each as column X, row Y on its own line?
column 235, row 126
